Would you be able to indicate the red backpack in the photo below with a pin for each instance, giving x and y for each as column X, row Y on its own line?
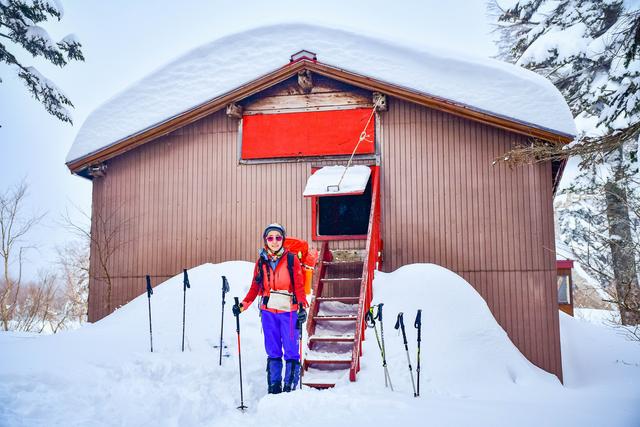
column 308, row 258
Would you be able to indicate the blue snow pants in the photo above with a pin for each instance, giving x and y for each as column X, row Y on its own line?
column 280, row 334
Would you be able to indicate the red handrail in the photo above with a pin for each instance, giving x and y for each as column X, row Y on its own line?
column 366, row 291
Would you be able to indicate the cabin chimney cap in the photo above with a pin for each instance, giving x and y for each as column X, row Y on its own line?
column 303, row 54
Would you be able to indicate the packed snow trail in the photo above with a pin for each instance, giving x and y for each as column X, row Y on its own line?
column 103, row 374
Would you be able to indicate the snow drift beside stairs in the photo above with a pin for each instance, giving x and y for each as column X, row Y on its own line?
column 464, row 350
column 217, row 68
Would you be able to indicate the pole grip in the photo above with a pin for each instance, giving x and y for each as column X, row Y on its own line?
column 185, row 280
column 237, row 303
column 225, row 285
column 149, row 288
column 399, row 321
column 369, row 319
column 400, row 324
column 379, row 314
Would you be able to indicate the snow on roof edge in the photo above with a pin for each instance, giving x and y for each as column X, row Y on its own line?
column 114, row 121
column 425, row 94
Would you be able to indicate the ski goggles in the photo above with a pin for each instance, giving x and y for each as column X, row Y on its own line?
column 276, row 238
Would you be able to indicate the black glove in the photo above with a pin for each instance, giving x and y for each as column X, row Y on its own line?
column 236, row 309
column 302, row 315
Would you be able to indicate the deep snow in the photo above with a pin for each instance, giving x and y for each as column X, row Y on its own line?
column 104, row 374
column 219, row 67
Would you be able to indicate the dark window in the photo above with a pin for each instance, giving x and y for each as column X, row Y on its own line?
column 344, row 215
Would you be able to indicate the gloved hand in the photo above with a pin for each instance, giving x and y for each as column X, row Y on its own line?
column 302, row 315
column 236, row 309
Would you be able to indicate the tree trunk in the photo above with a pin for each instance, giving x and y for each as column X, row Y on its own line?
column 622, row 250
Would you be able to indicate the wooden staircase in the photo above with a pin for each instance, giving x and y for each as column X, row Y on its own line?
column 342, row 297
column 333, row 316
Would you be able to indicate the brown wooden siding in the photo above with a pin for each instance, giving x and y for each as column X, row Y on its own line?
column 444, row 203
column 185, row 200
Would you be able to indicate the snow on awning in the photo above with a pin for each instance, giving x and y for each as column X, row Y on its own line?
column 324, row 182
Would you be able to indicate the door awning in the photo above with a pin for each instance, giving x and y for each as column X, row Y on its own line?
column 326, row 181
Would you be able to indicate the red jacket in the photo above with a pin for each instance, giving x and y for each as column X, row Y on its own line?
column 279, row 280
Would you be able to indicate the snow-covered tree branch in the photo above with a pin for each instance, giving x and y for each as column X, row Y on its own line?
column 19, row 27
column 591, row 51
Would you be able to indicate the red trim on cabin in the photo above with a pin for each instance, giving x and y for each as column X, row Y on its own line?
column 564, row 263
column 314, row 218
column 303, row 134
column 313, row 58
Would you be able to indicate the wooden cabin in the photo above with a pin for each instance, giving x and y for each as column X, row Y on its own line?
column 167, row 189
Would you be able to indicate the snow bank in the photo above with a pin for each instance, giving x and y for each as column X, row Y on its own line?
column 103, row 374
column 217, row 68
column 464, row 349
column 586, row 346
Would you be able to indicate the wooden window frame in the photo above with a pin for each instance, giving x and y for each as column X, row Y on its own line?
column 314, row 219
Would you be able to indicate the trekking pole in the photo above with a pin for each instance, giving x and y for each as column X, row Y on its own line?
column 400, row 324
column 149, row 293
column 370, row 319
column 418, row 325
column 242, row 407
column 299, row 326
column 225, row 289
column 185, row 285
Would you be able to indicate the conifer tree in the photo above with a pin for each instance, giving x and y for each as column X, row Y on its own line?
column 590, row 49
column 19, row 28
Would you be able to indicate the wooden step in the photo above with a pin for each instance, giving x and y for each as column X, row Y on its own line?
column 308, row 362
column 336, row 318
column 318, row 378
column 348, row 254
column 342, row 262
column 346, row 300
column 331, row 338
column 319, row 384
column 342, row 279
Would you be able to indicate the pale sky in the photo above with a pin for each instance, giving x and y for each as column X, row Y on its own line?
column 125, row 40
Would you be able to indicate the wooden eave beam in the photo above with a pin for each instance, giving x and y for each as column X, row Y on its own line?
column 287, row 71
column 187, row 117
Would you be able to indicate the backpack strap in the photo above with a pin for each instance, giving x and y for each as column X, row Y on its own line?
column 260, row 274
column 290, row 261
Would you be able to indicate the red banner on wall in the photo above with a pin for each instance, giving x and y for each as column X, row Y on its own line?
column 318, row 133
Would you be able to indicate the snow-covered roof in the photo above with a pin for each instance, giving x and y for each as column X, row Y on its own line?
column 333, row 180
column 220, row 67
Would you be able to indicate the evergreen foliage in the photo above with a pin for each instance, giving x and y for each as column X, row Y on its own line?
column 19, row 27
column 590, row 49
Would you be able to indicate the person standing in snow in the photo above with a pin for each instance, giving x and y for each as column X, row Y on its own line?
column 278, row 279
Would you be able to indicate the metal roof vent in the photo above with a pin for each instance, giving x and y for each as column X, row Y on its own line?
column 303, row 54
